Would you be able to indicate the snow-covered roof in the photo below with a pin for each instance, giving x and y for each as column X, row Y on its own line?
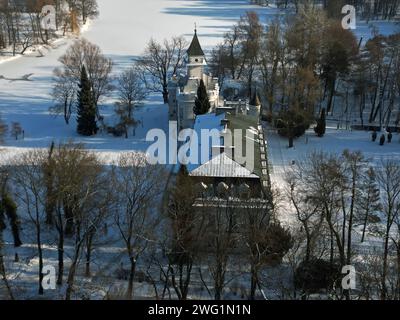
column 222, row 167
column 219, row 164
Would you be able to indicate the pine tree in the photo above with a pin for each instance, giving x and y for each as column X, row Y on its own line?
column 86, row 118
column 202, row 103
column 369, row 203
column 8, row 209
column 320, row 129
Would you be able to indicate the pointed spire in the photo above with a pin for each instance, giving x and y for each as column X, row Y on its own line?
column 195, row 47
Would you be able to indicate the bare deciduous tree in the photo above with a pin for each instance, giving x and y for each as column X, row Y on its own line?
column 89, row 202
column 28, row 178
column 131, row 91
column 98, row 67
column 64, row 93
column 388, row 177
column 184, row 243
column 138, row 188
column 160, row 61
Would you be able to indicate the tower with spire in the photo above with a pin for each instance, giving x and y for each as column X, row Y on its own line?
column 183, row 88
column 196, row 58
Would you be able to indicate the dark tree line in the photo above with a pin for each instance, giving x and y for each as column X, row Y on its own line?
column 340, row 203
column 368, row 10
column 308, row 62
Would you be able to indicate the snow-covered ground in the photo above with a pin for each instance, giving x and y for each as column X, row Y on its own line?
column 334, row 141
column 122, row 31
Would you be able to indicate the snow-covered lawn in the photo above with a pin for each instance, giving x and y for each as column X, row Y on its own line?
column 122, row 31
column 334, row 141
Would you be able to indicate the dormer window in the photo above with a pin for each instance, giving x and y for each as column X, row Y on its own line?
column 197, row 60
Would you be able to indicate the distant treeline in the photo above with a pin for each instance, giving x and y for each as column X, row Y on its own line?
column 366, row 9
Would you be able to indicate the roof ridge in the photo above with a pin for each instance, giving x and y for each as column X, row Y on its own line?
column 234, row 167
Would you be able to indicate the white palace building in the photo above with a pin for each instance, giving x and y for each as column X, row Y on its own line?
column 183, row 89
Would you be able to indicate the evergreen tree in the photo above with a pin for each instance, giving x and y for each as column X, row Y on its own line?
column 8, row 209
column 369, row 204
column 320, row 129
column 86, row 118
column 202, row 103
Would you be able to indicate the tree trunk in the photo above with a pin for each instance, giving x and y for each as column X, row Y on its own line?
column 331, row 94
column 40, row 254
column 129, row 293
column 165, row 94
column 365, row 226
column 291, row 141
column 60, row 249
column 71, row 275
column 88, row 254
column 254, row 282
column 385, row 267
column 3, row 270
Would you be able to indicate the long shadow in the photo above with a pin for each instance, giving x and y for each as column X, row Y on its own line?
column 28, row 104
column 229, row 10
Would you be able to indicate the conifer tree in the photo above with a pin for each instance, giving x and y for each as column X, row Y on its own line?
column 202, row 103
column 86, row 118
column 320, row 129
column 8, row 209
column 369, row 204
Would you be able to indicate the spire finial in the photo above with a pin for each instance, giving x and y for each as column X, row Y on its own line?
column 195, row 27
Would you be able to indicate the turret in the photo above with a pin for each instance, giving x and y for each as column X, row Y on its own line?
column 196, row 57
column 254, row 105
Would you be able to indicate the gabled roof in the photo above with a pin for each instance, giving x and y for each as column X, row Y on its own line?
column 222, row 167
column 195, row 47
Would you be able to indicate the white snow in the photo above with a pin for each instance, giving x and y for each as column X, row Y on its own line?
column 334, row 141
column 122, row 30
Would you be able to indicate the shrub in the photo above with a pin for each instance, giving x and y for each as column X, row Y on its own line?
column 317, row 274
